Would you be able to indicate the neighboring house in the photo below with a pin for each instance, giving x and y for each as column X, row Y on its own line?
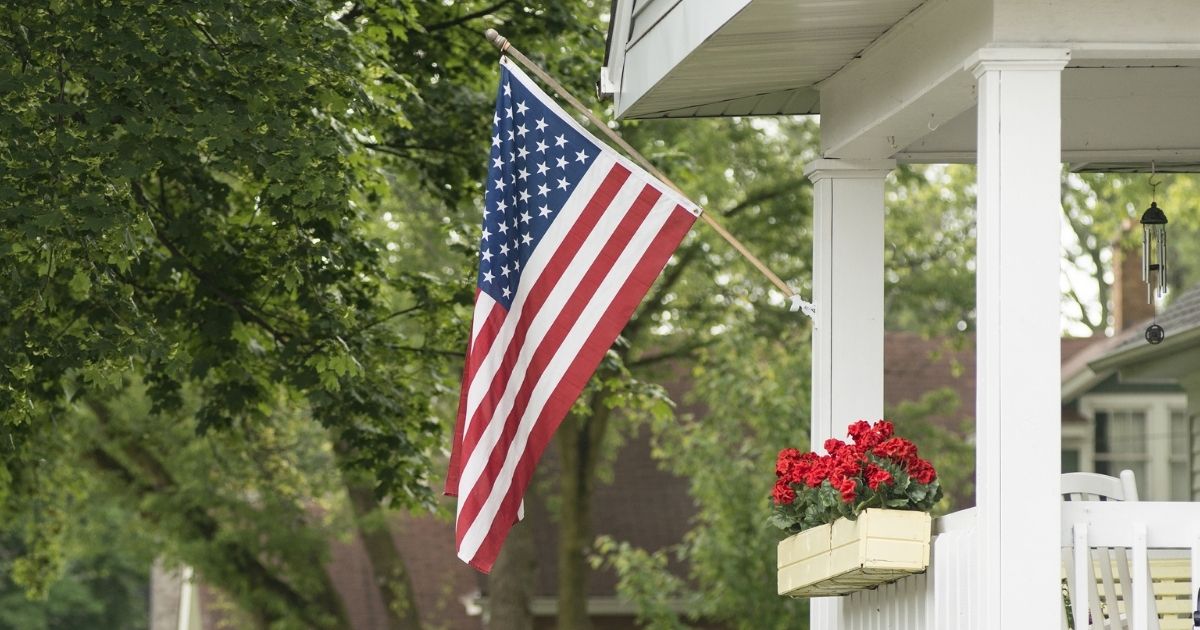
column 1129, row 404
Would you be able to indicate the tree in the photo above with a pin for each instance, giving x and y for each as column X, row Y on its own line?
column 929, row 251
column 233, row 219
column 185, row 221
column 102, row 587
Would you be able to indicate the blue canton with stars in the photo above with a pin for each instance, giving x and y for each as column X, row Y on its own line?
column 536, row 161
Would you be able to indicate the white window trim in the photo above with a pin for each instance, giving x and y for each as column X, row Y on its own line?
column 1158, row 408
column 1078, row 436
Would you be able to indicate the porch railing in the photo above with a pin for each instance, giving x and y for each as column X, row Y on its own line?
column 943, row 598
column 1157, row 535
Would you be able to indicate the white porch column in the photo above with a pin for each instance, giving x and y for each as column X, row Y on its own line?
column 1018, row 423
column 847, row 361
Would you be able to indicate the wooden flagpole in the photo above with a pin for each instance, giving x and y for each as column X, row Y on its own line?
column 506, row 48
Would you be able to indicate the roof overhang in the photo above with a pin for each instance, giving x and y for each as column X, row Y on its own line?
column 690, row 58
column 890, row 77
column 1176, row 356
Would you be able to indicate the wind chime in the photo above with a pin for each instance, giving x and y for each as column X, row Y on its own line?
column 1154, row 256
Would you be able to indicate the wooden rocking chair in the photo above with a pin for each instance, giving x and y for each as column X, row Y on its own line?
column 1108, row 609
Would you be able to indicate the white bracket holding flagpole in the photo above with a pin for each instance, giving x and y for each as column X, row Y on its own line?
column 804, row 306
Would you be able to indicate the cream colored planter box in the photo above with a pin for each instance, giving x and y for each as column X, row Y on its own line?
column 881, row 546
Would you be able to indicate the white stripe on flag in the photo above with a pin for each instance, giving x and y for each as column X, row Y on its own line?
column 534, row 267
column 633, row 252
column 483, row 307
column 539, row 327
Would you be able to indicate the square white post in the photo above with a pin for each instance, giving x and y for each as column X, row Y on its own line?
column 1018, row 424
column 847, row 352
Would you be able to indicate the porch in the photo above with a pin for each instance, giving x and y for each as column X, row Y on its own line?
column 1019, row 87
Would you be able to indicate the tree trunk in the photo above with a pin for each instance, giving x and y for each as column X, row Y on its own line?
column 510, row 585
column 390, row 573
column 194, row 524
column 235, row 564
column 579, row 440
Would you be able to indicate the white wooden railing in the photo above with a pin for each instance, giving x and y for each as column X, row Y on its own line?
column 943, row 598
column 1155, row 534
column 947, row 596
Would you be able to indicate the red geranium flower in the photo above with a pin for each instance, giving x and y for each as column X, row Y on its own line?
column 922, row 471
column 783, row 494
column 863, row 473
column 817, row 472
column 868, row 436
column 786, row 461
column 877, row 476
column 897, row 449
column 857, row 430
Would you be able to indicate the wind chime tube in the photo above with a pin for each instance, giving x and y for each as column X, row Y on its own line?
column 1146, row 266
column 1162, row 260
column 1145, row 255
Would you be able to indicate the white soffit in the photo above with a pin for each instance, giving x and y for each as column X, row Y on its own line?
column 1117, row 116
column 689, row 58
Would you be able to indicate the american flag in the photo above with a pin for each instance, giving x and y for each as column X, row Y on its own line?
column 573, row 237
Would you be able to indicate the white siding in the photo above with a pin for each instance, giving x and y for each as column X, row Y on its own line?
column 646, row 14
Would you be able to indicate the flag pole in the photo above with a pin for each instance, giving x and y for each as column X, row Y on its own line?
column 506, row 48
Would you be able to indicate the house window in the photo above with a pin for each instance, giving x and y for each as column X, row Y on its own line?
column 1181, row 469
column 1121, row 444
column 1146, row 433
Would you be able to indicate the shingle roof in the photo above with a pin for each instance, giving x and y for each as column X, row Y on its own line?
column 1182, row 313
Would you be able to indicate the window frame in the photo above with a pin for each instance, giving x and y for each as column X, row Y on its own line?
column 1158, row 409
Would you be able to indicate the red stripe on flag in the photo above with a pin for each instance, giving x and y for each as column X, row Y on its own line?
column 477, row 349
column 546, row 282
column 576, row 377
column 548, row 347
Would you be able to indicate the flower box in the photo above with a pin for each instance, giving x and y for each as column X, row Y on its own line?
column 881, row 546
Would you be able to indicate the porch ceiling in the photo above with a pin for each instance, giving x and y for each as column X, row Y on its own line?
column 1117, row 116
column 790, row 44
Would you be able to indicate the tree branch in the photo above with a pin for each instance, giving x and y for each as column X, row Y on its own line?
column 758, row 197
column 661, row 289
column 1082, row 234
column 388, row 317
column 242, row 563
column 678, row 352
column 239, row 306
column 213, row 42
column 1084, row 318
column 467, row 18
column 400, row 150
